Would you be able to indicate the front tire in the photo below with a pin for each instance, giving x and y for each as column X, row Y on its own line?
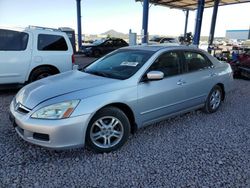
column 214, row 100
column 108, row 130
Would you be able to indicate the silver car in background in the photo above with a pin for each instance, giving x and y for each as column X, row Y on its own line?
column 130, row 88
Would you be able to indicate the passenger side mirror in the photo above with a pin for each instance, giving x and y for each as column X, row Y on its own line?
column 155, row 75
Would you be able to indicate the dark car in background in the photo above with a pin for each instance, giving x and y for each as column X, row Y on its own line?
column 103, row 46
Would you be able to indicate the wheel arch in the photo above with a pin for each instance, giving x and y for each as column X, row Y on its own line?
column 126, row 110
column 222, row 89
column 55, row 70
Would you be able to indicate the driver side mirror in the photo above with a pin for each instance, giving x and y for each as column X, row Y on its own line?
column 155, row 75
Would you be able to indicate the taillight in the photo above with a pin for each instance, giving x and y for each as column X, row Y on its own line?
column 73, row 59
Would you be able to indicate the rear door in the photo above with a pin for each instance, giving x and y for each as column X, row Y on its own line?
column 166, row 96
column 199, row 77
column 15, row 56
column 52, row 49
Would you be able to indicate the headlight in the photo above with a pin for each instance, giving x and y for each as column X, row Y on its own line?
column 56, row 111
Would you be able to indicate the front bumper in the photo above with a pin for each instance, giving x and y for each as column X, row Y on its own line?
column 54, row 134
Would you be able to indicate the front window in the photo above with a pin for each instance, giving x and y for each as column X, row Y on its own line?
column 108, row 43
column 120, row 43
column 168, row 63
column 121, row 64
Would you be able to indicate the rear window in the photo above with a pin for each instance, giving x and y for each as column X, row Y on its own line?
column 195, row 61
column 13, row 40
column 51, row 43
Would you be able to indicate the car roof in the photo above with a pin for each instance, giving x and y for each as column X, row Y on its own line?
column 20, row 29
column 41, row 30
column 156, row 48
column 35, row 29
column 145, row 47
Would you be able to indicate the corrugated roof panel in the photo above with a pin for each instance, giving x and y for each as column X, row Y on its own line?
column 192, row 4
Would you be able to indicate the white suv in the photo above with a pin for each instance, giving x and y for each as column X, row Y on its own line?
column 33, row 53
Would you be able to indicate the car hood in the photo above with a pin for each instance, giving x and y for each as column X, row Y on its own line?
column 54, row 86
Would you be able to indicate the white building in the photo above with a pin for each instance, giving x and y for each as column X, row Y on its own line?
column 238, row 34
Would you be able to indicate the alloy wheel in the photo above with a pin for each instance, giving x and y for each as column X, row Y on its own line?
column 106, row 132
column 215, row 99
column 43, row 75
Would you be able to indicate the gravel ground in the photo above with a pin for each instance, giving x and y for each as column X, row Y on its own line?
column 194, row 150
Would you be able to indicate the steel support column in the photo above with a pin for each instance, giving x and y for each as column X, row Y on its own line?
column 186, row 23
column 249, row 34
column 199, row 15
column 79, row 24
column 145, row 21
column 213, row 23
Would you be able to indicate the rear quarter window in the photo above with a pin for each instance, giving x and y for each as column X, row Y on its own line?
column 48, row 42
column 13, row 40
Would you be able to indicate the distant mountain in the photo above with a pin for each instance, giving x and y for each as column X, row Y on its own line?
column 113, row 33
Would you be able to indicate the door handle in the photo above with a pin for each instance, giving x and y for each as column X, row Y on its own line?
column 181, row 82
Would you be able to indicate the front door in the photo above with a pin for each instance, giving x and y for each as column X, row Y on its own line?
column 199, row 77
column 162, row 97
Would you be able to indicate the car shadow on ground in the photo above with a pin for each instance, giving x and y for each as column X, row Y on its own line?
column 10, row 91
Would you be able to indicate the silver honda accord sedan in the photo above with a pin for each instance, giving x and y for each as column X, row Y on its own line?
column 125, row 90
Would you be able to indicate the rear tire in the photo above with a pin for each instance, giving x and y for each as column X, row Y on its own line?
column 214, row 100
column 40, row 73
column 108, row 130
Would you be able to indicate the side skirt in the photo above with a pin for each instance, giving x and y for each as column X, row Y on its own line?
column 171, row 115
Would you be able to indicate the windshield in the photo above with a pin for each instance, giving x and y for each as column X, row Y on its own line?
column 97, row 42
column 121, row 64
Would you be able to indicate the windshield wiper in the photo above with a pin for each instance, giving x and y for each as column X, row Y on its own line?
column 98, row 73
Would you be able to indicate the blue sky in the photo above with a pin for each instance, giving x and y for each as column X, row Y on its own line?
column 99, row 16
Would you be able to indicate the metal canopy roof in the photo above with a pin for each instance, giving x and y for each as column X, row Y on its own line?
column 192, row 4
